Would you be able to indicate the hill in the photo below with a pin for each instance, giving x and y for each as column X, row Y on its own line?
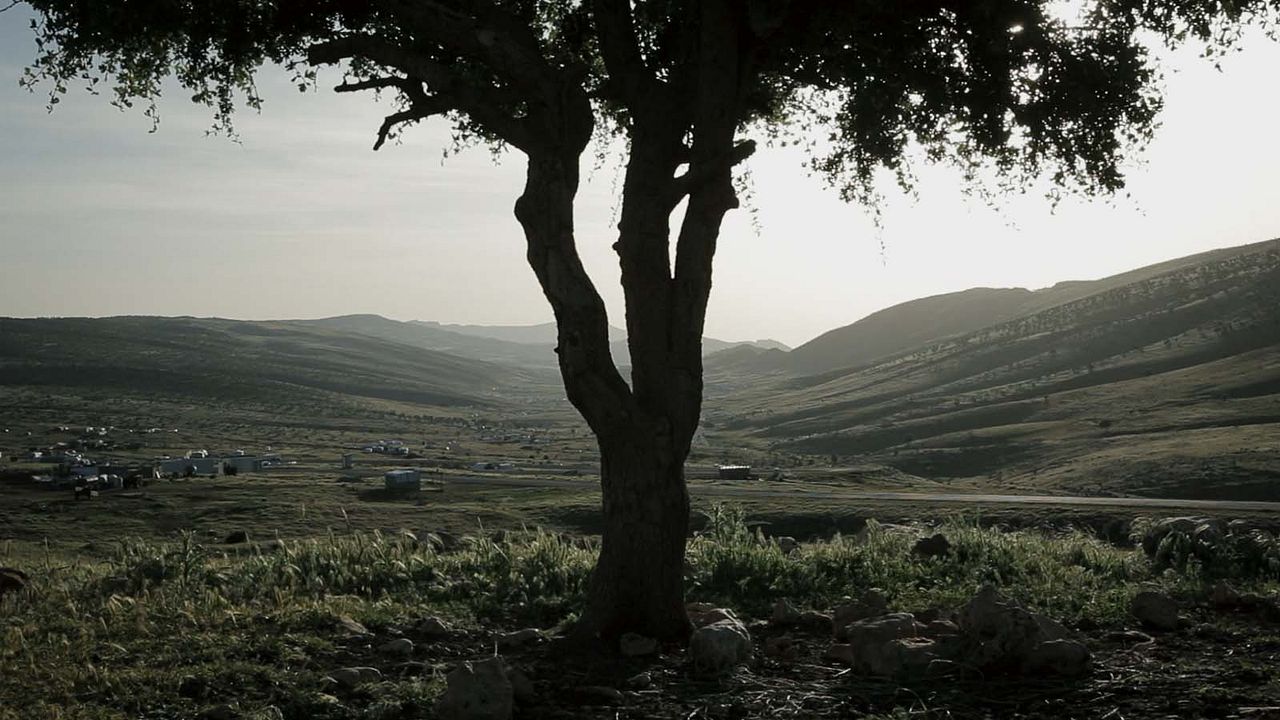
column 914, row 323
column 905, row 326
column 529, row 346
column 459, row 341
column 1165, row 381
column 227, row 360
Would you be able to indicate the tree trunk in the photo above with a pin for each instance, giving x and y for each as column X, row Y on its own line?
column 644, row 429
column 638, row 582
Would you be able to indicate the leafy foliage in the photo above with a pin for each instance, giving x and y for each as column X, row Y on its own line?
column 1018, row 87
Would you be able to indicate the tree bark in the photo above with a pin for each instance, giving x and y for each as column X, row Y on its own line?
column 638, row 583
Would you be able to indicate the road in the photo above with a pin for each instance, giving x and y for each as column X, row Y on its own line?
column 796, row 491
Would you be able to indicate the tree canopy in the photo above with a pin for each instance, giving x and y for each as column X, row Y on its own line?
column 1008, row 84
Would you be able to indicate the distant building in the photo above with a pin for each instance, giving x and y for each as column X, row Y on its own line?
column 406, row 479
column 735, row 472
column 189, row 466
column 244, row 463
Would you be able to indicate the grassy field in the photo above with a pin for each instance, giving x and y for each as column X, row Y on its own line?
column 180, row 629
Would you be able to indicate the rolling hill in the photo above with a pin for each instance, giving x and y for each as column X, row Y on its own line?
column 1165, row 380
column 230, row 359
column 905, row 326
column 527, row 346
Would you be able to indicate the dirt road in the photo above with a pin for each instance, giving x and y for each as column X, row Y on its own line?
column 797, row 491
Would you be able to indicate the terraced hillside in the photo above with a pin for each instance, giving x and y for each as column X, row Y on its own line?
column 1166, row 381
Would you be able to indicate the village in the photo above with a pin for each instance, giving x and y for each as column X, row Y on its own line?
column 91, row 459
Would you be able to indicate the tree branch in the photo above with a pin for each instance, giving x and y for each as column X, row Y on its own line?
column 488, row 105
column 700, row 173
column 416, row 111
column 380, row 83
column 620, row 48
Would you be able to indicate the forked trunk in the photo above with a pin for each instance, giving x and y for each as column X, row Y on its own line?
column 638, row 582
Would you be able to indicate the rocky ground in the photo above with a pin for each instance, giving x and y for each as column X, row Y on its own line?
column 991, row 658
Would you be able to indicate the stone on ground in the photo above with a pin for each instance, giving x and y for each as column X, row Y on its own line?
column 871, row 603
column 398, row 648
column 999, row 633
column 1155, row 610
column 636, row 645
column 784, row 613
column 701, row 614
column 520, row 638
column 350, row 678
column 477, row 691
column 431, row 628
column 717, row 648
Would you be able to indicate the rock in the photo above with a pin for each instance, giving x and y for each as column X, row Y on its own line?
column 1002, row 634
column 840, row 652
column 927, row 616
column 940, row 628
column 701, row 614
column 815, row 619
column 898, row 657
column 936, row 545
column 1267, row 607
column 398, row 648
column 787, row 544
column 477, row 691
column 635, row 645
column 640, row 681
column 781, row 647
column 349, row 678
column 1224, row 597
column 901, row 658
column 880, row 630
column 521, row 686
column 351, row 626
column 599, row 695
column 431, row 628
column 1066, row 658
column 1155, row 610
column 784, row 613
column 871, row 603
column 13, row 580
column 717, row 648
column 236, row 537
column 520, row 638
column 225, row 711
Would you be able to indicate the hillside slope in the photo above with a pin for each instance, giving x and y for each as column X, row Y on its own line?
column 527, row 346
column 228, row 359
column 1167, row 384
column 903, row 327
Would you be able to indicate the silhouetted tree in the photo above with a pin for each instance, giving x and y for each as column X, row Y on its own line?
column 1001, row 88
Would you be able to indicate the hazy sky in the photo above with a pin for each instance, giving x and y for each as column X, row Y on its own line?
column 99, row 217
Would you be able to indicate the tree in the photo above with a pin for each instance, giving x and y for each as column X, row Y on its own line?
column 1002, row 88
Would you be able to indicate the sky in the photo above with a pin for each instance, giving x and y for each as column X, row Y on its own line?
column 302, row 219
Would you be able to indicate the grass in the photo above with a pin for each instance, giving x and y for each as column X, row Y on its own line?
column 160, row 630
